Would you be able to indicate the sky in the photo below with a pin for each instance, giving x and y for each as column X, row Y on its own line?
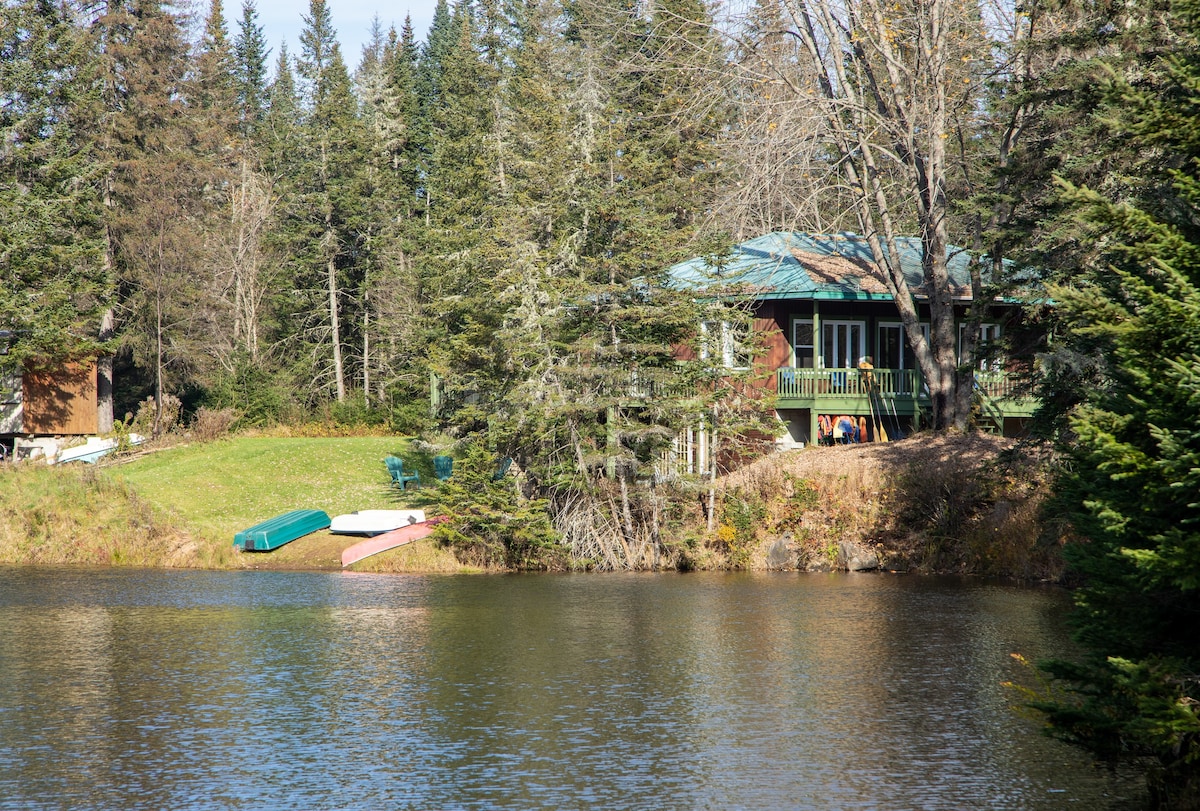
column 282, row 20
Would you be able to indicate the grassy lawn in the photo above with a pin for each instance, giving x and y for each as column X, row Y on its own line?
column 222, row 487
column 219, row 488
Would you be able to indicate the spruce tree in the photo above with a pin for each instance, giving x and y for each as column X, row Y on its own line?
column 1129, row 485
column 279, row 139
column 326, row 213
column 460, row 189
column 250, row 55
column 158, row 195
column 53, row 286
column 646, row 126
column 580, row 199
column 392, row 353
column 239, row 243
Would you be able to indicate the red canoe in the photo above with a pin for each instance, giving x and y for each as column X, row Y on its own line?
column 388, row 540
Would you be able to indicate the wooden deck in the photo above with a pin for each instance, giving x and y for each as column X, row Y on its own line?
column 850, row 391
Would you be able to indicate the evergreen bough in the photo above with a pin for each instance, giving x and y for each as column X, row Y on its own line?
column 1130, row 482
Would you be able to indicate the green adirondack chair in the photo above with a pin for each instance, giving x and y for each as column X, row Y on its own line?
column 443, row 467
column 400, row 477
column 501, row 468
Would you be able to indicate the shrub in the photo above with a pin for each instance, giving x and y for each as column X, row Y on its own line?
column 212, row 423
column 168, row 418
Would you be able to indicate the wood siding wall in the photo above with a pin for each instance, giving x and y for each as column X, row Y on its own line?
column 777, row 351
column 60, row 402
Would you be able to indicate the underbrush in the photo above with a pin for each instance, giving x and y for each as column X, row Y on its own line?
column 966, row 504
column 972, row 512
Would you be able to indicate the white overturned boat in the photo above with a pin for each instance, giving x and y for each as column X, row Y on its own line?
column 91, row 450
column 374, row 522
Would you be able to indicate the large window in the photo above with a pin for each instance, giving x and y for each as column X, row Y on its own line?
column 894, row 350
column 842, row 343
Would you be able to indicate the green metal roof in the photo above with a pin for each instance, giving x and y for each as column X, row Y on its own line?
column 786, row 265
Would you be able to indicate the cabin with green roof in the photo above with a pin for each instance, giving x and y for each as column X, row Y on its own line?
column 820, row 306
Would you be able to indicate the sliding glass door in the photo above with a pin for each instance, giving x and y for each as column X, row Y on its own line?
column 843, row 343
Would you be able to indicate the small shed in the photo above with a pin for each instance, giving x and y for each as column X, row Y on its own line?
column 49, row 402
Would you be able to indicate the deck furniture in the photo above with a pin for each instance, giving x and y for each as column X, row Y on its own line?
column 443, row 467
column 400, row 476
column 502, row 468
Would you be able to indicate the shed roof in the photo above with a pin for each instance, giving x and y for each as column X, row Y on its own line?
column 787, row 265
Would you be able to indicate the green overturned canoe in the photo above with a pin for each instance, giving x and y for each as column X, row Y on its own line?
column 274, row 533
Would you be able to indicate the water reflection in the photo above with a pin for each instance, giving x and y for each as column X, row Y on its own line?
column 130, row 690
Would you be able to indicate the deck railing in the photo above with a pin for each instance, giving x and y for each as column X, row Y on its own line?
column 812, row 384
column 1001, row 385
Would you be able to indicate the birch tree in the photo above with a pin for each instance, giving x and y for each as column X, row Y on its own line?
column 886, row 89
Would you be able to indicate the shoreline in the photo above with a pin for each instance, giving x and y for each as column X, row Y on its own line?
column 931, row 505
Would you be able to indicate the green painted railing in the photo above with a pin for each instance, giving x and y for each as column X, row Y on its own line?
column 1001, row 385
column 813, row 384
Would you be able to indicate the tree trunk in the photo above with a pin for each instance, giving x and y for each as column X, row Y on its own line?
column 329, row 242
column 366, row 343
column 108, row 327
column 889, row 86
column 104, row 375
column 335, row 328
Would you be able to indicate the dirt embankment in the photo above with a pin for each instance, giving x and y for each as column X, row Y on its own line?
column 954, row 503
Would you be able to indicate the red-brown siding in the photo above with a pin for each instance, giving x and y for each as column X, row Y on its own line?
column 775, row 343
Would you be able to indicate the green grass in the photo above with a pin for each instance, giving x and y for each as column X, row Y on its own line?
column 182, row 505
column 219, row 488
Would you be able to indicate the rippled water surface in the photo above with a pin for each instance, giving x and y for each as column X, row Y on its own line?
column 262, row 690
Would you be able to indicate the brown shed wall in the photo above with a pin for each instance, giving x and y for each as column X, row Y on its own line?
column 61, row 401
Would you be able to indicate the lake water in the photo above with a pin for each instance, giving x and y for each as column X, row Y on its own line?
column 278, row 690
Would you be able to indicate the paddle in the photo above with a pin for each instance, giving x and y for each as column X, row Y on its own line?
column 866, row 370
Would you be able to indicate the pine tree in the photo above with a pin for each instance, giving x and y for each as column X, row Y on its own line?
column 53, row 287
column 1129, row 486
column 158, row 194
